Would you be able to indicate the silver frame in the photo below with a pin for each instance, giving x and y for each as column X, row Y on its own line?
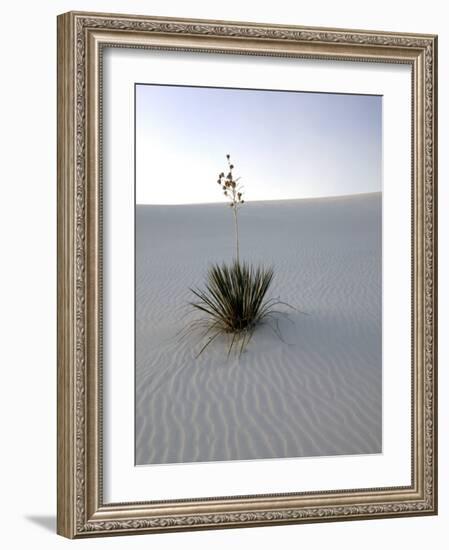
column 81, row 39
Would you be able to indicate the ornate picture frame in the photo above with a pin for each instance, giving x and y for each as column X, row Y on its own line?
column 82, row 509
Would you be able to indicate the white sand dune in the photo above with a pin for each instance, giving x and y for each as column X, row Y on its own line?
column 319, row 392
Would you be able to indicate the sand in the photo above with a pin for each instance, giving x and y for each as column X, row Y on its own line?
column 318, row 392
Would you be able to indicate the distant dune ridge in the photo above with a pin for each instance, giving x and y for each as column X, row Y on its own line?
column 319, row 392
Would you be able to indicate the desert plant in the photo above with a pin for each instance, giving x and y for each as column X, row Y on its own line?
column 235, row 302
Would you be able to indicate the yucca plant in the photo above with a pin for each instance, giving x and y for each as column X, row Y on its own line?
column 234, row 300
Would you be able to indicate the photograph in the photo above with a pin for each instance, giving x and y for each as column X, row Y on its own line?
column 258, row 274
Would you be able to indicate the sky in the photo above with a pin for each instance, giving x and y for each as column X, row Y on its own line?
column 283, row 144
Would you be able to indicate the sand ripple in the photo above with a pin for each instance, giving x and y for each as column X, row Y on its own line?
column 317, row 393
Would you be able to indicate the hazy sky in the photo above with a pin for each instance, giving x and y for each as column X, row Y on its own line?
column 283, row 144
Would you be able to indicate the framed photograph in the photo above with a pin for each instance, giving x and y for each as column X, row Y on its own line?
column 247, row 248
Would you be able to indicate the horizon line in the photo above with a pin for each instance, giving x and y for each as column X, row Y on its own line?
column 325, row 197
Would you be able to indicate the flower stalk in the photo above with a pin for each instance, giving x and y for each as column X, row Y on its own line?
column 233, row 190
